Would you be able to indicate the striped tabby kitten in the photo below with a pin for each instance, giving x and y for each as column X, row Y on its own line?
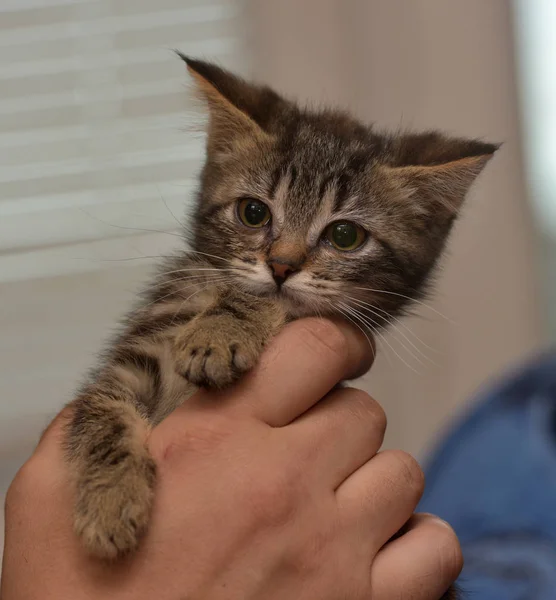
column 298, row 213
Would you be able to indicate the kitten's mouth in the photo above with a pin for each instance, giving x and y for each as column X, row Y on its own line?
column 281, row 292
column 295, row 300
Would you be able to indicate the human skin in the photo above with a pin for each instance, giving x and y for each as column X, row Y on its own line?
column 274, row 489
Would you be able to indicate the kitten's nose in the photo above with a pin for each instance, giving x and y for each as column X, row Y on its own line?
column 281, row 270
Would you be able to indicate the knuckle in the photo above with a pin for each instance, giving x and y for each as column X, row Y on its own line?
column 409, row 470
column 273, row 501
column 324, row 337
column 312, row 552
column 200, row 436
column 367, row 408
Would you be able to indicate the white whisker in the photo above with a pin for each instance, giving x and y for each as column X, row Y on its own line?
column 178, row 235
column 168, row 208
column 145, row 257
column 201, row 269
column 205, row 287
column 400, row 321
column 189, row 251
column 397, row 329
column 408, row 298
column 203, row 275
column 376, row 332
column 344, row 314
column 213, row 280
column 365, row 320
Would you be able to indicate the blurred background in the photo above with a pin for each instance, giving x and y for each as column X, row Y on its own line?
column 100, row 145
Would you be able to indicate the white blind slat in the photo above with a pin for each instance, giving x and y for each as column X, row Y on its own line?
column 92, row 109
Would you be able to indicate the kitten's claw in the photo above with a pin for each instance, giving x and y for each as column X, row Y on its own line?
column 213, row 353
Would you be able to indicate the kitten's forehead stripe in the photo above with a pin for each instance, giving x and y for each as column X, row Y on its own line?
column 356, row 165
column 327, row 181
column 275, row 180
column 323, row 217
column 293, row 176
column 342, row 191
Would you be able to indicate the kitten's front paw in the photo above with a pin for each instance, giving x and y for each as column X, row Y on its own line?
column 214, row 351
column 111, row 516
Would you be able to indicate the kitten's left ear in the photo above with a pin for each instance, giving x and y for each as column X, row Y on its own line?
column 436, row 172
column 237, row 109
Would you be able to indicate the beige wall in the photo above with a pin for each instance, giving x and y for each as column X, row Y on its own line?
column 428, row 63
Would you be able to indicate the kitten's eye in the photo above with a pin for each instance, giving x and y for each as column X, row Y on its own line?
column 253, row 213
column 345, row 236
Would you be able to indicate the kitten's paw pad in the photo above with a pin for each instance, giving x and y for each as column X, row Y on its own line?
column 111, row 522
column 208, row 357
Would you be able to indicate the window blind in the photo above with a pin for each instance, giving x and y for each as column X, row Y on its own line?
column 93, row 106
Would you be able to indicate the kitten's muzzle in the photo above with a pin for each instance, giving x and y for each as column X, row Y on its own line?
column 281, row 269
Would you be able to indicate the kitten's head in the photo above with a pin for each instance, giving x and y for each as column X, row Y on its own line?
column 319, row 210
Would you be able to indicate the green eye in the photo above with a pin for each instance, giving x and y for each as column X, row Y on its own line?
column 253, row 213
column 345, row 236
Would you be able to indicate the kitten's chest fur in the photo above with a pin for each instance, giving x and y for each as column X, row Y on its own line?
column 190, row 296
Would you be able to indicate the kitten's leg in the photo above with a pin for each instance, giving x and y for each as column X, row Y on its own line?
column 138, row 386
column 226, row 340
column 113, row 471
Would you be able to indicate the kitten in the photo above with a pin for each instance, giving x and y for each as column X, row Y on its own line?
column 298, row 213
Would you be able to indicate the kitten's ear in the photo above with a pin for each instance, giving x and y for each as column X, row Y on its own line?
column 435, row 171
column 237, row 109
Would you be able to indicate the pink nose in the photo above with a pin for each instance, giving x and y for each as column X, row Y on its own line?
column 281, row 270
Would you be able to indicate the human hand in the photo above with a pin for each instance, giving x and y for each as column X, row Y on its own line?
column 263, row 493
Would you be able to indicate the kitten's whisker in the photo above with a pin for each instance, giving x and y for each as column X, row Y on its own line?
column 398, row 330
column 143, row 309
column 200, row 269
column 208, row 279
column 413, row 300
column 179, row 290
column 365, row 320
column 374, row 330
column 178, row 235
column 400, row 321
column 146, row 257
column 157, row 284
column 385, row 339
column 168, row 208
column 189, row 251
column 345, row 315
column 205, row 287
column 396, row 339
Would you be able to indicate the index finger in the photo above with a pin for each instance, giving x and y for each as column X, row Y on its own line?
column 300, row 366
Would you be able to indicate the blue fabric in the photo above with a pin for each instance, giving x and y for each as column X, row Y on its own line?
column 494, row 480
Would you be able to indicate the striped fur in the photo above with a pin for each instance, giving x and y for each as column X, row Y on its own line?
column 209, row 313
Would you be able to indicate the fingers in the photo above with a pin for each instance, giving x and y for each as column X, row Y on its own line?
column 340, row 434
column 419, row 565
column 305, row 361
column 382, row 495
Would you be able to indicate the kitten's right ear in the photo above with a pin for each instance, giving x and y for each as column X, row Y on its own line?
column 435, row 172
column 237, row 109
